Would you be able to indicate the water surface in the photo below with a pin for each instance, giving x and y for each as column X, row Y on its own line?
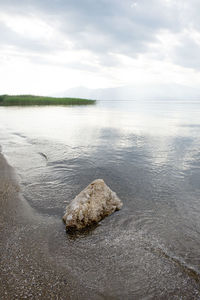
column 149, row 153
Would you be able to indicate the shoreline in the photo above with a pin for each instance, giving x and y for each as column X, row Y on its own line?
column 8, row 189
column 28, row 269
column 38, row 260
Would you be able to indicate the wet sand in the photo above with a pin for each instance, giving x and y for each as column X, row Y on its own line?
column 27, row 268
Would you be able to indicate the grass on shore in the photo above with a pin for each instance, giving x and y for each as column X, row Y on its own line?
column 22, row 100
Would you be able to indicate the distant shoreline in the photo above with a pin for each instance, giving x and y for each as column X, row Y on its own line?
column 26, row 100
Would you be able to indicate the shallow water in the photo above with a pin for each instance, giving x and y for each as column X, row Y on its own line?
column 149, row 153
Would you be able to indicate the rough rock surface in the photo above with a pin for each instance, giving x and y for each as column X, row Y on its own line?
column 94, row 203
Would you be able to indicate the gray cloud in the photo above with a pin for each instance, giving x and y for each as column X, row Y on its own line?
column 106, row 26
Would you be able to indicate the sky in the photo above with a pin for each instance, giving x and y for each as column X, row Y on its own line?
column 47, row 47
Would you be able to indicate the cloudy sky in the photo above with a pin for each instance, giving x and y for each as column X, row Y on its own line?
column 47, row 47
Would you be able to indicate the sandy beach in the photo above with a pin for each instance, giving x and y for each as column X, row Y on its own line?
column 29, row 268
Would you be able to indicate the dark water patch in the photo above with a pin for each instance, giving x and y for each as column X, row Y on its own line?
column 75, row 234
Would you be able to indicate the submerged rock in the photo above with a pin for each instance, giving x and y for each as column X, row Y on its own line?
column 94, row 203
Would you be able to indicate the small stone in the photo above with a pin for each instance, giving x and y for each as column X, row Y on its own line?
column 94, row 203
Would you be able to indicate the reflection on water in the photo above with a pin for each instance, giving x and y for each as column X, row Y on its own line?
column 149, row 153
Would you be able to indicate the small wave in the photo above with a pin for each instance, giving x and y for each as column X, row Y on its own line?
column 20, row 135
column 43, row 155
column 190, row 270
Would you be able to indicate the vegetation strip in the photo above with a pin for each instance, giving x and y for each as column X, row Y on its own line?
column 7, row 100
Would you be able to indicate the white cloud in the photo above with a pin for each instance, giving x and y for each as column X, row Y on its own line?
column 29, row 26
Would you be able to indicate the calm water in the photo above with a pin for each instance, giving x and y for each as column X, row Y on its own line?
column 149, row 153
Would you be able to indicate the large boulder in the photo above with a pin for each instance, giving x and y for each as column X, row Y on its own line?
column 94, row 203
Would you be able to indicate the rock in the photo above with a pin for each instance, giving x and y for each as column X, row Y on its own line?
column 94, row 203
